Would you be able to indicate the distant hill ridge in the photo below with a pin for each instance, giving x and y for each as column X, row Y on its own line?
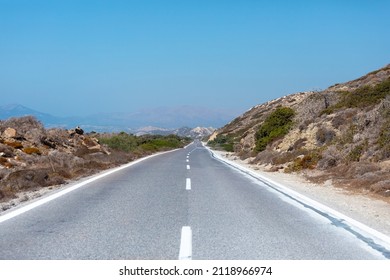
column 164, row 120
column 341, row 134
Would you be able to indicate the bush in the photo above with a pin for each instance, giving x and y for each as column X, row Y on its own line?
column 356, row 152
column 276, row 125
column 324, row 136
column 329, row 158
column 308, row 161
column 384, row 138
column 141, row 144
column 122, row 142
column 224, row 142
column 361, row 97
column 24, row 125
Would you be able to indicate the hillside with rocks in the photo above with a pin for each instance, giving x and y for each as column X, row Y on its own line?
column 33, row 157
column 340, row 134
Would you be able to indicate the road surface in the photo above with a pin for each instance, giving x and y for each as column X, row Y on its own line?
column 183, row 204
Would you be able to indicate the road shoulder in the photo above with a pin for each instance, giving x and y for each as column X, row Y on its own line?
column 372, row 212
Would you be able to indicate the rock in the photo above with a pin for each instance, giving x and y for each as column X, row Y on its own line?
column 96, row 148
column 9, row 133
column 48, row 142
column 79, row 131
column 89, row 142
column 71, row 133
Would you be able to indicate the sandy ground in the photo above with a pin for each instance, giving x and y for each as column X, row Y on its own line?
column 370, row 211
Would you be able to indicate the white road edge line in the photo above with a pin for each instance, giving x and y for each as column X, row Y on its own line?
column 381, row 238
column 188, row 184
column 189, row 145
column 186, row 244
column 44, row 200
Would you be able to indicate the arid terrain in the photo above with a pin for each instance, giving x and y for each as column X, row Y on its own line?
column 34, row 159
column 339, row 136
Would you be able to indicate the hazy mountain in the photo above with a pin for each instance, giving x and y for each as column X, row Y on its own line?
column 169, row 118
column 197, row 132
column 17, row 110
column 163, row 117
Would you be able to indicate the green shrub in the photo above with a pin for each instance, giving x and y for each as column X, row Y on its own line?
column 224, row 142
column 356, row 153
column 308, row 161
column 122, row 142
column 361, row 97
column 276, row 125
column 384, row 139
column 140, row 144
column 158, row 143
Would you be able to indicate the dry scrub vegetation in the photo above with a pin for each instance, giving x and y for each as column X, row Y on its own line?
column 32, row 157
column 340, row 134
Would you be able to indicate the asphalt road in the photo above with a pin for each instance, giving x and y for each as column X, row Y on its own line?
column 182, row 204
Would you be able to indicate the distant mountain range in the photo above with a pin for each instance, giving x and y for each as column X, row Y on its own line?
column 162, row 120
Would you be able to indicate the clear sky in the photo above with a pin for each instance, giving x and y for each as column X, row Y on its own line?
column 82, row 57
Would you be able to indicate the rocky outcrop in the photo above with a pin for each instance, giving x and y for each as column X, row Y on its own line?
column 32, row 157
column 341, row 132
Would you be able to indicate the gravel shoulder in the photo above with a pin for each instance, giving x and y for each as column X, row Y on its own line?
column 368, row 210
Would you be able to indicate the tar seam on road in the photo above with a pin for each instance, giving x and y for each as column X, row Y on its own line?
column 335, row 221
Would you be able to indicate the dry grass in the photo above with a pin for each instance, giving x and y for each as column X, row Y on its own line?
column 35, row 157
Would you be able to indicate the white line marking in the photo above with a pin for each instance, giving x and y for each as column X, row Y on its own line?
column 44, row 200
column 186, row 244
column 188, row 184
column 188, row 167
column 377, row 236
column 187, row 160
column 189, row 145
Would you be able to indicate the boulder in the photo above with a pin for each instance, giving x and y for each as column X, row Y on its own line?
column 9, row 132
column 79, row 130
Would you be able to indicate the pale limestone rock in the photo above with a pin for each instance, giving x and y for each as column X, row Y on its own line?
column 9, row 133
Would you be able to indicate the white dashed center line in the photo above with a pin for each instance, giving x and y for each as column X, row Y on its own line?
column 188, row 166
column 188, row 184
column 186, row 244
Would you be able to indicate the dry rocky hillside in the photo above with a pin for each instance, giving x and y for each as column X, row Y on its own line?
column 32, row 157
column 340, row 134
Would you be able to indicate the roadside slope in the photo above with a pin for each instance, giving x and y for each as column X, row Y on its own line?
column 339, row 135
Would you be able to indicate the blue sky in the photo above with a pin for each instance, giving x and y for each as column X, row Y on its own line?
column 84, row 57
